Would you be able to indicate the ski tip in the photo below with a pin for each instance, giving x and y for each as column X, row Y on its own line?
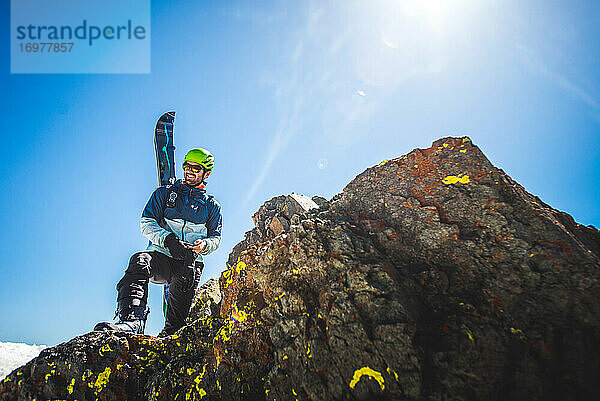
column 167, row 115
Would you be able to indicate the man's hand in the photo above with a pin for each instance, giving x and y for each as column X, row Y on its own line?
column 176, row 247
column 198, row 246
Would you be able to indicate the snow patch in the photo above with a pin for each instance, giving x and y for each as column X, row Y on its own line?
column 304, row 201
column 14, row 355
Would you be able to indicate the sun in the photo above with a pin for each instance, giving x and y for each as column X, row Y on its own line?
column 433, row 10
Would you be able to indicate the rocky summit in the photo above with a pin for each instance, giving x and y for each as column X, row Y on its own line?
column 433, row 276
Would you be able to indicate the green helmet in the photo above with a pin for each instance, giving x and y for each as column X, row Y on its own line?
column 202, row 157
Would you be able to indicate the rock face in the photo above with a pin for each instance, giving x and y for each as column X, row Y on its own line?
column 433, row 276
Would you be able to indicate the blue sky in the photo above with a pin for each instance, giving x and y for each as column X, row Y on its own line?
column 290, row 96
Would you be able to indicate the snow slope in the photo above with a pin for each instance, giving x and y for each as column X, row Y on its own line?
column 13, row 355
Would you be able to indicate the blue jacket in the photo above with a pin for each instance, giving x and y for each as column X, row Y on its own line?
column 191, row 215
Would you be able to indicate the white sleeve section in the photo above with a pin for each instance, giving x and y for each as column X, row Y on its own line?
column 153, row 231
column 212, row 243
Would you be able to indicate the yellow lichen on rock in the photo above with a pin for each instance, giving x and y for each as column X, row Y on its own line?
column 190, row 394
column 367, row 371
column 70, row 386
column 105, row 348
column 279, row 296
column 49, row 375
column 392, row 372
column 518, row 332
column 228, row 277
column 468, row 333
column 102, row 381
column 240, row 266
column 453, row 179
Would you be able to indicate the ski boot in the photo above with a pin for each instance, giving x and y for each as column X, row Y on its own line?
column 132, row 319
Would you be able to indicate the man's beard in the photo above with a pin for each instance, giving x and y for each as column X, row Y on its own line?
column 195, row 181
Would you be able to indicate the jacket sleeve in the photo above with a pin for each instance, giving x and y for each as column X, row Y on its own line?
column 213, row 226
column 153, row 214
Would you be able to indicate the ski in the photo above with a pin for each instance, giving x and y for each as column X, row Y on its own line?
column 165, row 150
column 165, row 164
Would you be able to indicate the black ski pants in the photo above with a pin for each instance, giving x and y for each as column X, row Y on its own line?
column 159, row 268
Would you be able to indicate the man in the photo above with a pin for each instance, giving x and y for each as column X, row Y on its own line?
column 183, row 224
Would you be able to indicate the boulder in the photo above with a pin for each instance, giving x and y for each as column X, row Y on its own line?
column 432, row 276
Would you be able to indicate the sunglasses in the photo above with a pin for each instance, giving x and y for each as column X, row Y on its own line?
column 195, row 169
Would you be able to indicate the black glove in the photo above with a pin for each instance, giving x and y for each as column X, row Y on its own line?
column 188, row 261
column 188, row 274
column 176, row 247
